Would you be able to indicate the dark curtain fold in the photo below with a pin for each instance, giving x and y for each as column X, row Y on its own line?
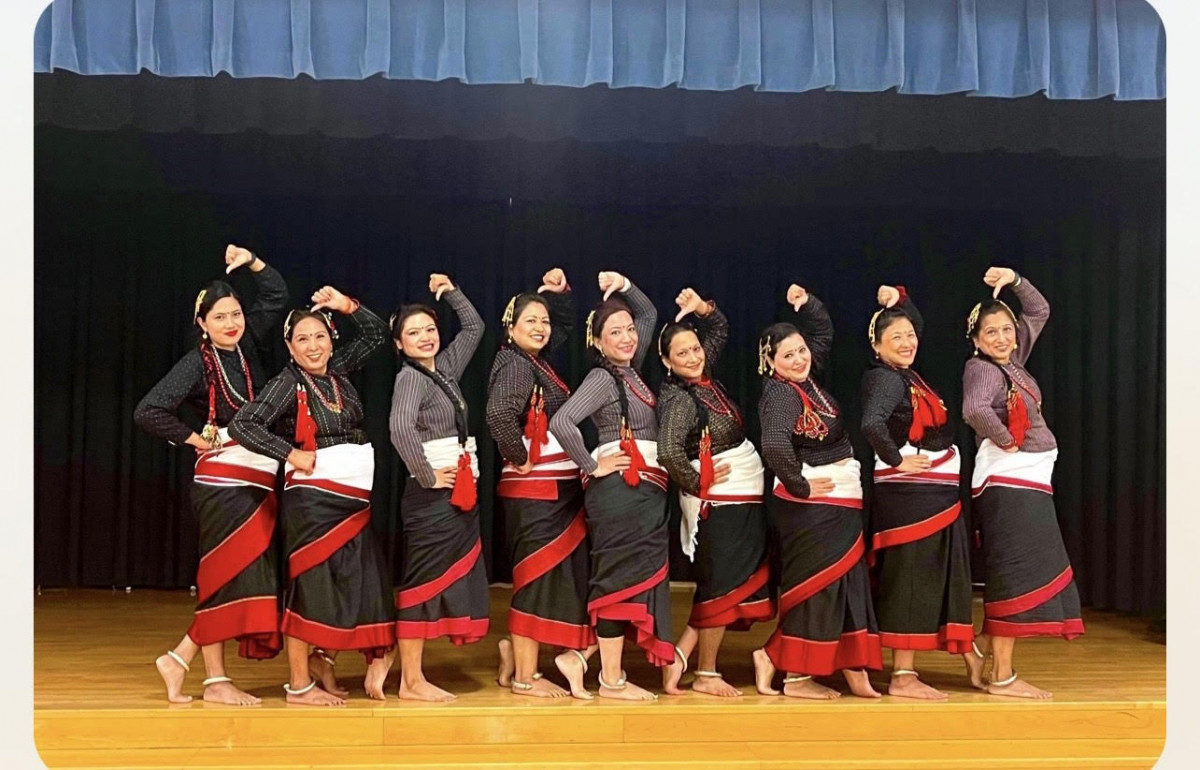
column 129, row 225
column 407, row 109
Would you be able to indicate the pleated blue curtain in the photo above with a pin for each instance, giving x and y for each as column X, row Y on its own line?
column 1069, row 49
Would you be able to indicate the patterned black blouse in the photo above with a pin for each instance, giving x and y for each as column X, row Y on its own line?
column 514, row 373
column 785, row 451
column 267, row 425
column 158, row 411
column 679, row 418
column 887, row 411
column 597, row 396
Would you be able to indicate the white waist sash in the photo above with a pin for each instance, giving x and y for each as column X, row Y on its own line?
column 444, row 452
column 744, row 485
column 208, row 470
column 649, row 450
column 349, row 465
column 944, row 467
column 846, row 479
column 1021, row 470
column 553, row 458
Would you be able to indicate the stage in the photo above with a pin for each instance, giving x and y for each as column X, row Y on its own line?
column 98, row 702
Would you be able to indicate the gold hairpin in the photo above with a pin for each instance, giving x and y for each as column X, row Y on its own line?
column 287, row 324
column 871, row 326
column 973, row 318
column 661, row 352
column 199, row 301
column 765, row 364
column 589, row 340
column 507, row 318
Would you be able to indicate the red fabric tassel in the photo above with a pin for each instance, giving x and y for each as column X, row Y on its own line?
column 537, row 425
column 928, row 412
column 306, row 427
column 707, row 471
column 637, row 463
column 1018, row 415
column 464, row 495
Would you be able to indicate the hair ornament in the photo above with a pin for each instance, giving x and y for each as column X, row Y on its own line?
column 589, row 339
column 199, row 301
column 765, row 364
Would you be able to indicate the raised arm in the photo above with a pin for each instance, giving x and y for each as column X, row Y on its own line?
column 452, row 360
column 597, row 390
column 271, row 293
column 882, row 392
column 509, row 387
column 157, row 412
column 645, row 319
column 981, row 381
column 562, row 318
column 778, row 453
column 1035, row 312
column 676, row 418
column 815, row 325
column 711, row 325
column 410, row 389
column 251, row 426
column 372, row 336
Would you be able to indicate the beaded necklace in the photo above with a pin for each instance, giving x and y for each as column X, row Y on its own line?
column 338, row 404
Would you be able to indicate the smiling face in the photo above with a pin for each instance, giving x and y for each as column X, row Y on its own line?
column 996, row 336
column 618, row 338
column 531, row 329
column 685, row 356
column 224, row 323
column 311, row 345
column 419, row 338
column 897, row 343
column 792, row 359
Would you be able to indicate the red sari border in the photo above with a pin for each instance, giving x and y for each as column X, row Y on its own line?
column 910, row 533
column 1027, row 601
column 798, row 593
column 729, row 609
column 551, row 554
column 238, row 550
column 954, row 638
column 460, row 631
column 316, row 552
column 1067, row 629
column 554, row 632
column 853, row 650
column 364, row 637
column 419, row 594
column 253, row 621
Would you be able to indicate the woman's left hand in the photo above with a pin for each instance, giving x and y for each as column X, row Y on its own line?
column 998, row 278
column 887, row 296
column 439, row 284
column 690, row 302
column 554, row 281
column 236, row 256
column 331, row 298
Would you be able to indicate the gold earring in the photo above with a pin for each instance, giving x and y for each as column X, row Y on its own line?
column 204, row 336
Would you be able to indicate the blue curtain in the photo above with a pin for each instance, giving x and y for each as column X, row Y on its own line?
column 1069, row 49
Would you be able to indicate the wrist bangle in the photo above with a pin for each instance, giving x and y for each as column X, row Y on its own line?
column 1016, row 281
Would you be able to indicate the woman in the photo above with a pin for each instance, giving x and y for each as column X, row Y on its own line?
column 1029, row 589
column 339, row 596
column 625, row 494
column 702, row 444
column 920, row 535
column 444, row 591
column 542, row 497
column 236, row 583
column 826, row 621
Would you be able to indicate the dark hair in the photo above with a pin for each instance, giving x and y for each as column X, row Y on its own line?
column 886, row 318
column 990, row 307
column 210, row 295
column 669, row 333
column 300, row 314
column 524, row 300
column 406, row 311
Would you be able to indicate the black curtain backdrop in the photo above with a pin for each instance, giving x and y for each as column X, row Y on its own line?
column 129, row 224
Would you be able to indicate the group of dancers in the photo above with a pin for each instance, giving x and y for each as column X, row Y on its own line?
column 589, row 529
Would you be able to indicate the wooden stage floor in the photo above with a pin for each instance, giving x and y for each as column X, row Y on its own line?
column 98, row 702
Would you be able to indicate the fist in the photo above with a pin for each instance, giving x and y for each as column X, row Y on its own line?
column 796, row 296
column 610, row 281
column 439, row 284
column 235, row 257
column 689, row 302
column 998, row 278
column 554, row 281
column 330, row 298
column 887, row 296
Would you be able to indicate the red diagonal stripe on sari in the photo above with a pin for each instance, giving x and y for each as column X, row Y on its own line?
column 551, row 554
column 705, row 613
column 910, row 533
column 842, row 502
column 419, row 594
column 1027, row 601
column 311, row 554
column 596, row 605
column 238, row 550
column 220, row 470
column 1011, row 481
column 823, row 579
column 329, row 486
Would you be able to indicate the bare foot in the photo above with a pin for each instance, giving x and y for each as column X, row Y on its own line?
column 909, row 686
column 225, row 692
column 542, row 688
column 172, row 676
column 671, row 675
column 764, row 672
column 975, row 670
column 571, row 666
column 809, row 689
column 377, row 671
column 860, row 684
column 505, row 673
column 715, row 685
column 1019, row 689
column 320, row 670
column 424, row 690
column 315, row 697
column 629, row 692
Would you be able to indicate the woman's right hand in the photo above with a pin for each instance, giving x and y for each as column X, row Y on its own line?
column 611, row 281
column 721, row 472
column 444, row 477
column 887, row 296
column 611, row 464
column 439, row 284
column 914, row 464
column 797, row 295
column 197, row 441
column 820, row 487
column 303, row 460
column 998, row 278
column 1012, row 449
